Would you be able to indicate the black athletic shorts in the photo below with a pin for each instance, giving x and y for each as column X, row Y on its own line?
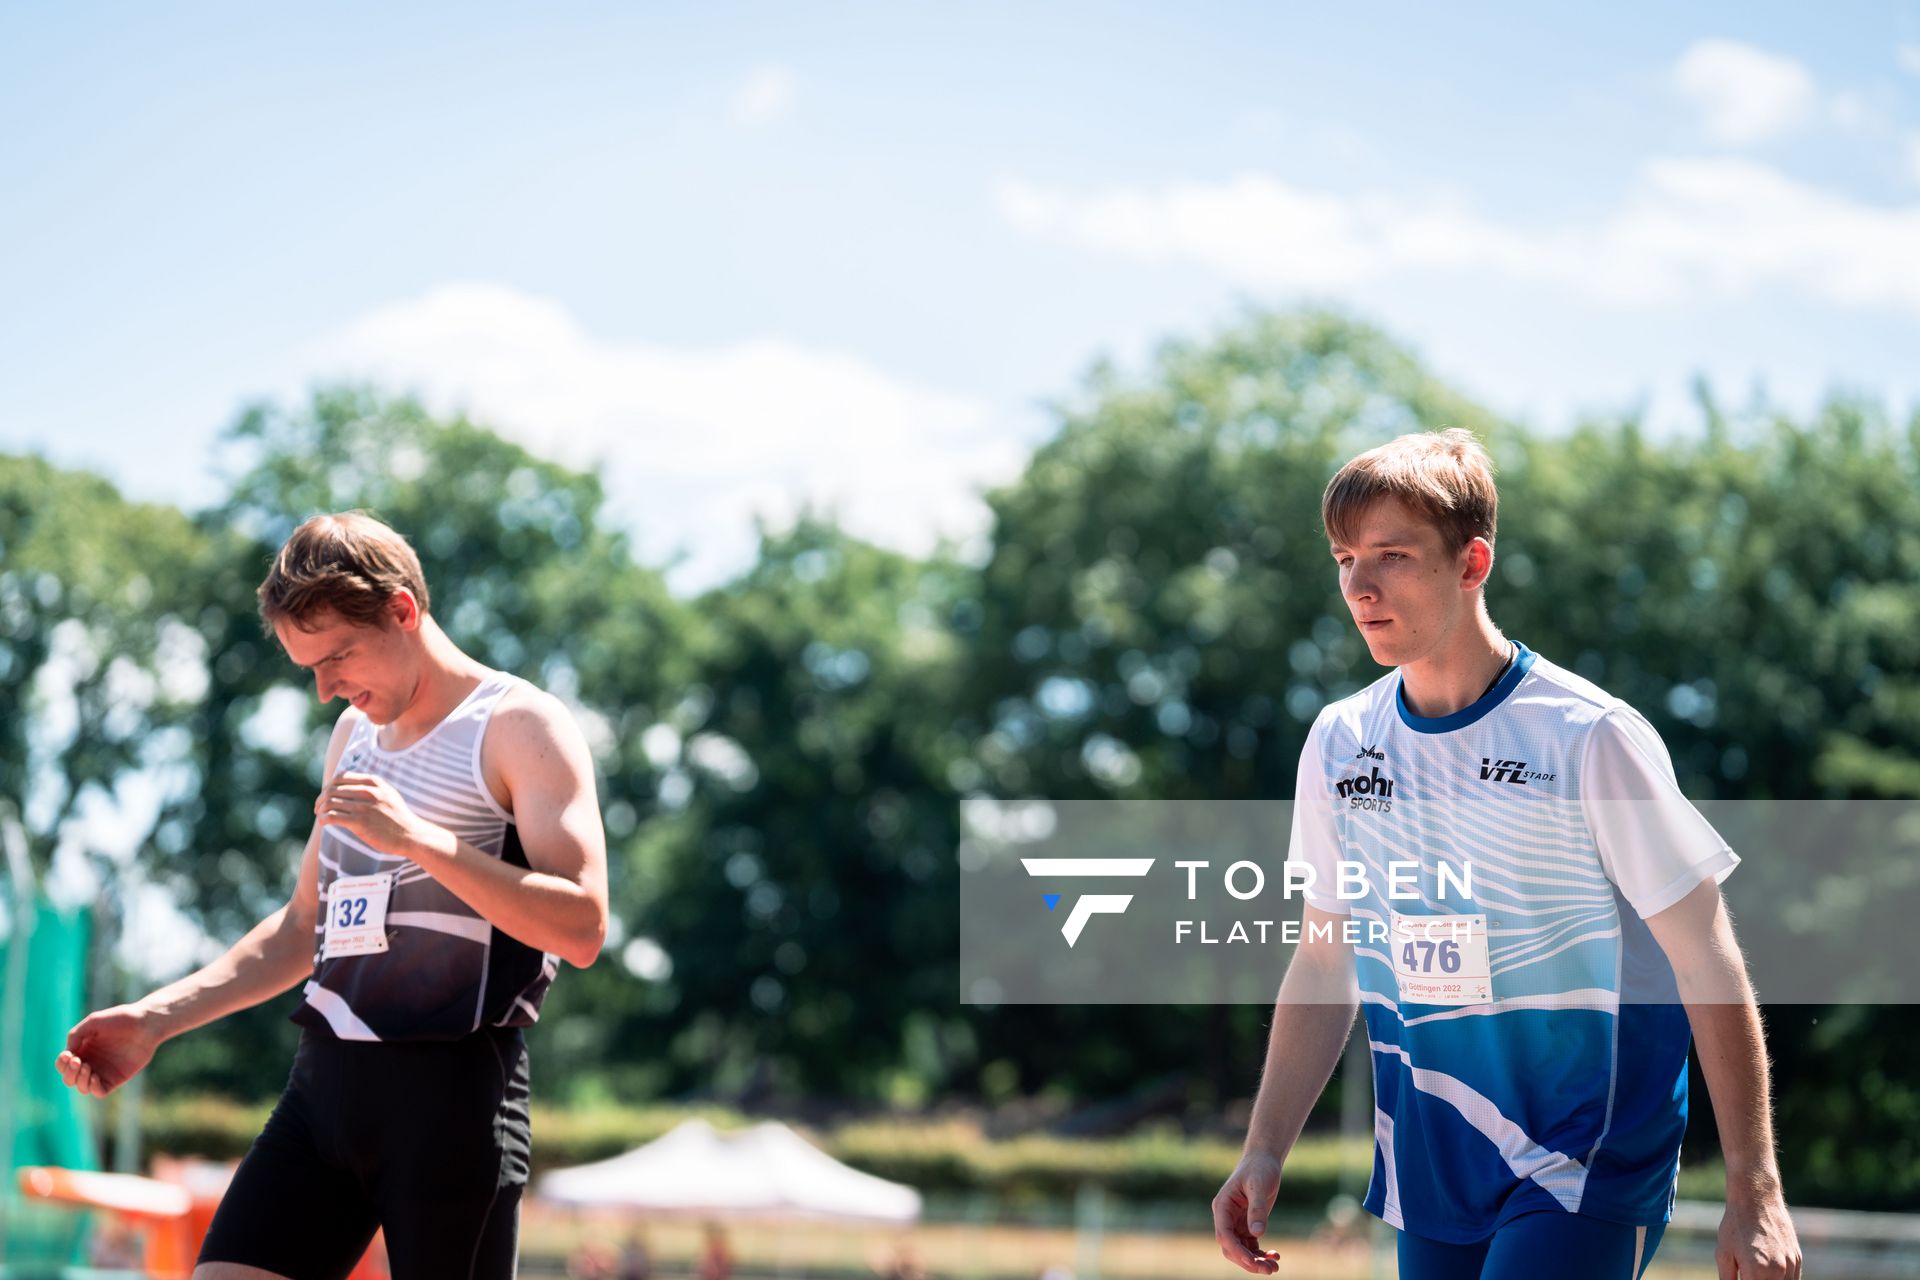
column 427, row 1140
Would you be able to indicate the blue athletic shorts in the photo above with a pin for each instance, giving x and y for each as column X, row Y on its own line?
column 1565, row 1246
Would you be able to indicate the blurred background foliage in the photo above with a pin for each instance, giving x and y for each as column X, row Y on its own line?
column 782, row 758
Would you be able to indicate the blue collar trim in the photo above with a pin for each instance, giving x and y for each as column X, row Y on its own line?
column 1468, row 714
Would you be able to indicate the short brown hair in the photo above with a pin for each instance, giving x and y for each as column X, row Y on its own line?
column 346, row 563
column 1444, row 476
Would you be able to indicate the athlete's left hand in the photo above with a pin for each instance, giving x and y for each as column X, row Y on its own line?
column 369, row 807
column 1757, row 1240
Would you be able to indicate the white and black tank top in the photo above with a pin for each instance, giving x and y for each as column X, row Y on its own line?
column 446, row 972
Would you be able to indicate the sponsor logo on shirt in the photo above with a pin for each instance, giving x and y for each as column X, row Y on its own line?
column 1514, row 771
column 1371, row 753
column 1370, row 791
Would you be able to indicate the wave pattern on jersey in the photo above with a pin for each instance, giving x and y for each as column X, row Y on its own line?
column 1485, row 1111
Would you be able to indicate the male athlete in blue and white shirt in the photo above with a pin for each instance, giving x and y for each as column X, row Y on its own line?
column 1532, row 974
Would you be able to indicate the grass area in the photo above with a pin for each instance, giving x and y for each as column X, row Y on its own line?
column 938, row 1156
column 966, row 1252
column 996, row 1209
column 945, row 1157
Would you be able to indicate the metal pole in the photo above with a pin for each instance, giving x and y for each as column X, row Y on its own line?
column 1089, row 1212
column 13, row 1001
column 131, row 1096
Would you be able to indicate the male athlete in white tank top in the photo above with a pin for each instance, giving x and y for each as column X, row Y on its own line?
column 457, row 855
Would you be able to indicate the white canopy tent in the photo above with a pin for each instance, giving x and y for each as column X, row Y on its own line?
column 767, row 1170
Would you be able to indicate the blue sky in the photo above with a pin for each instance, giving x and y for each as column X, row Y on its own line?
column 750, row 255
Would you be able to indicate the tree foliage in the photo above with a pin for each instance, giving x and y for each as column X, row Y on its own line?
column 97, row 667
column 782, row 759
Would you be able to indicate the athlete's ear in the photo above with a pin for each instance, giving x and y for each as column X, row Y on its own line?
column 1476, row 564
column 403, row 610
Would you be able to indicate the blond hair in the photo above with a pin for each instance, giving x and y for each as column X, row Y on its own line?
column 346, row 563
column 1446, row 478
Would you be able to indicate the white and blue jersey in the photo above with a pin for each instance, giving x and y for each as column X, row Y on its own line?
column 1558, row 1078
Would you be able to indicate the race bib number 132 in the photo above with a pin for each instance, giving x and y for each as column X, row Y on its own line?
column 1441, row 959
column 357, row 915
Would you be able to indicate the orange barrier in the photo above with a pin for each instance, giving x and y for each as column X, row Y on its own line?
column 171, row 1212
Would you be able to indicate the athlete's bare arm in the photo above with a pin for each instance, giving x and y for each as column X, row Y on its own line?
column 106, row 1049
column 538, row 758
column 1756, row 1235
column 1311, row 1020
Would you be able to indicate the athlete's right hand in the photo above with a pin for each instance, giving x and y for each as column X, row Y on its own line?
column 1240, row 1212
column 107, row 1049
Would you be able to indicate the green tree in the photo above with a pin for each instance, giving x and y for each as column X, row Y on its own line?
column 1752, row 590
column 805, row 898
column 97, row 665
column 1749, row 588
column 783, row 759
column 1159, row 617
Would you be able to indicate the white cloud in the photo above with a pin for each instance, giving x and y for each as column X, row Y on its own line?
column 1258, row 229
column 1745, row 95
column 1689, row 229
column 766, row 96
column 1854, row 111
column 1908, row 56
column 696, row 441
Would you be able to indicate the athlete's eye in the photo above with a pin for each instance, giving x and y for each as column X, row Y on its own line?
column 1394, row 555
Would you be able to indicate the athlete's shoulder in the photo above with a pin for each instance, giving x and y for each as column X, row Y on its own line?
column 528, row 719
column 1349, row 717
column 345, row 725
column 533, row 745
column 349, row 719
column 1550, row 689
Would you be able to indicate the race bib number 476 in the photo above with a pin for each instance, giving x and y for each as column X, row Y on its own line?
column 1441, row 959
column 357, row 915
